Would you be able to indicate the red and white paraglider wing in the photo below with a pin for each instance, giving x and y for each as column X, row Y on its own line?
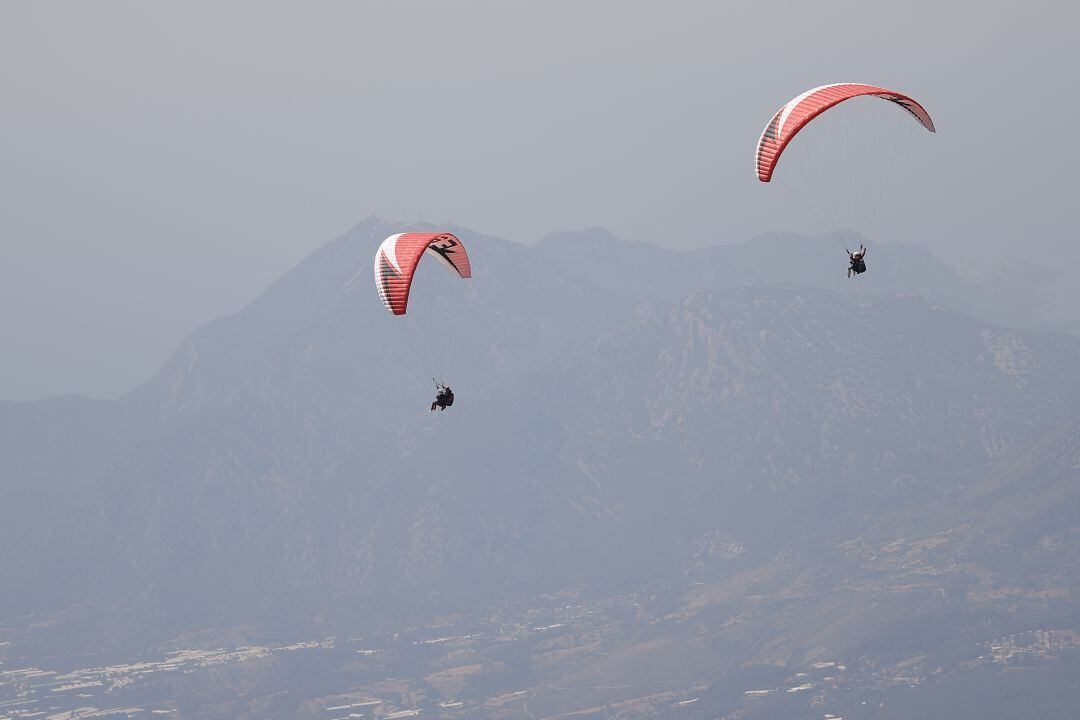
column 397, row 258
column 450, row 253
column 800, row 110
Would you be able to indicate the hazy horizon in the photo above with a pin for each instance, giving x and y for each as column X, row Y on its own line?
column 163, row 164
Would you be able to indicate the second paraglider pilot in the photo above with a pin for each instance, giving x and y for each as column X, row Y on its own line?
column 444, row 397
column 858, row 261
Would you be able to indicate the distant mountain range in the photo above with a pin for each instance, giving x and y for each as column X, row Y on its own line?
column 851, row 467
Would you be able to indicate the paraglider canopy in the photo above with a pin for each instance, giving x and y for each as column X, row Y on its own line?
column 800, row 110
column 397, row 258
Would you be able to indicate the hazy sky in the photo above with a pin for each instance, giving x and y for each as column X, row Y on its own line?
column 160, row 163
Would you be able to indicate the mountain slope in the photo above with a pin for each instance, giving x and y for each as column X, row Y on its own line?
column 606, row 436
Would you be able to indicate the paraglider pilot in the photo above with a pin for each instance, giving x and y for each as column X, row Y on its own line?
column 858, row 261
column 444, row 397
